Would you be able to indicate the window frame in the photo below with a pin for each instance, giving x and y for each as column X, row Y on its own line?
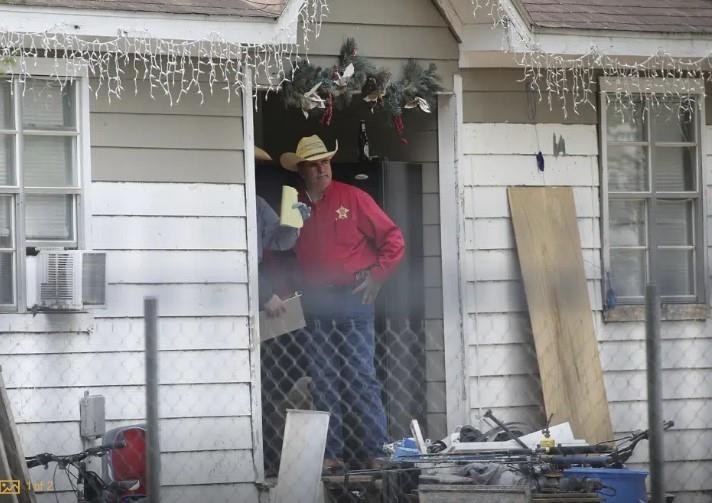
column 47, row 69
column 646, row 87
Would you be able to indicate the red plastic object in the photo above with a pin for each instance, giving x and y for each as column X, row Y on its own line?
column 129, row 463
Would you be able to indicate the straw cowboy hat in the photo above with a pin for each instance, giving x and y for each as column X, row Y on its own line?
column 310, row 148
column 261, row 155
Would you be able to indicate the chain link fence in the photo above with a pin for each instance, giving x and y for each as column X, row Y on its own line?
column 206, row 429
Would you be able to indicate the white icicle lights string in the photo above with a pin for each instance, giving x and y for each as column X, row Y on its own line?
column 571, row 82
column 173, row 68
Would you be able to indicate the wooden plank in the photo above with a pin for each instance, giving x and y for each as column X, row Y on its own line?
column 125, row 369
column 168, row 233
column 495, row 138
column 504, row 170
column 545, row 226
column 13, row 455
column 176, row 266
column 136, row 98
column 121, row 164
column 168, row 199
column 166, row 131
column 127, row 403
column 112, row 335
column 7, row 475
column 126, row 301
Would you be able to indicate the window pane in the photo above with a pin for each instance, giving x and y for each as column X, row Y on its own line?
column 7, row 114
column 674, row 223
column 627, row 223
column 7, row 159
column 627, row 168
column 675, row 272
column 46, row 105
column 671, row 122
column 628, row 272
column 674, row 169
column 7, row 290
column 49, row 161
column 625, row 123
column 6, row 240
column 49, row 217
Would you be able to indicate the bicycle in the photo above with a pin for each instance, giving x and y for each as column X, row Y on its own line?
column 88, row 485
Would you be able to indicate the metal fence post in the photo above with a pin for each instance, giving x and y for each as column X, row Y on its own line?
column 153, row 458
column 655, row 392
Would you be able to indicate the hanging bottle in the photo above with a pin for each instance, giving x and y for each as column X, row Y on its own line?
column 364, row 150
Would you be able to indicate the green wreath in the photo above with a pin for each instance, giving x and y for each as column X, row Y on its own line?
column 319, row 91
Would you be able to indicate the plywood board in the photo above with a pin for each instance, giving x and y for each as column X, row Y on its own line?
column 549, row 248
column 299, row 479
column 13, row 457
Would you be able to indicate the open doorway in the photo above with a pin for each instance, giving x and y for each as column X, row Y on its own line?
column 396, row 182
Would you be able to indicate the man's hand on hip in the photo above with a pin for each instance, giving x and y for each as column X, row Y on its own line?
column 370, row 287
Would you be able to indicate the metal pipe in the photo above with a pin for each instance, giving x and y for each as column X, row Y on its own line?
column 499, row 423
column 153, row 458
column 655, row 393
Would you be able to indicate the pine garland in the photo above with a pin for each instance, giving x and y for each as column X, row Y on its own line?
column 318, row 91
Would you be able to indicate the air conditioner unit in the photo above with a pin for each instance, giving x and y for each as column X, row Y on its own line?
column 66, row 280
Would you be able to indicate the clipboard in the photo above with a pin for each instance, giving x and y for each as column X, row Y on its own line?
column 292, row 319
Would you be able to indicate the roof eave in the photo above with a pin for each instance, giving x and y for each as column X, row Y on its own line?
column 109, row 24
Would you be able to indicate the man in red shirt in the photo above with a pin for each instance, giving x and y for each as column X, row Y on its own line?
column 346, row 250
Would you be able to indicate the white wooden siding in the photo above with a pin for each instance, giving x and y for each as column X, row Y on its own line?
column 168, row 207
column 502, row 362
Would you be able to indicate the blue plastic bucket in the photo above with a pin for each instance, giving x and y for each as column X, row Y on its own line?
column 628, row 485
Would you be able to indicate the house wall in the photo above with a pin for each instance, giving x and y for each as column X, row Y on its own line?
column 388, row 34
column 501, row 134
column 167, row 204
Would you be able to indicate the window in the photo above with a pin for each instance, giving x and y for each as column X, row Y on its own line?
column 40, row 176
column 652, row 197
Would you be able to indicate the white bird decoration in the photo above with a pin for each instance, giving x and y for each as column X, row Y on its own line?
column 312, row 100
column 343, row 79
column 420, row 103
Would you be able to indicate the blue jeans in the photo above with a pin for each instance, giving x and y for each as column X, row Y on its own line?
column 340, row 343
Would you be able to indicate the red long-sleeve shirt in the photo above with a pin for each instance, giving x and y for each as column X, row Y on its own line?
column 347, row 232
